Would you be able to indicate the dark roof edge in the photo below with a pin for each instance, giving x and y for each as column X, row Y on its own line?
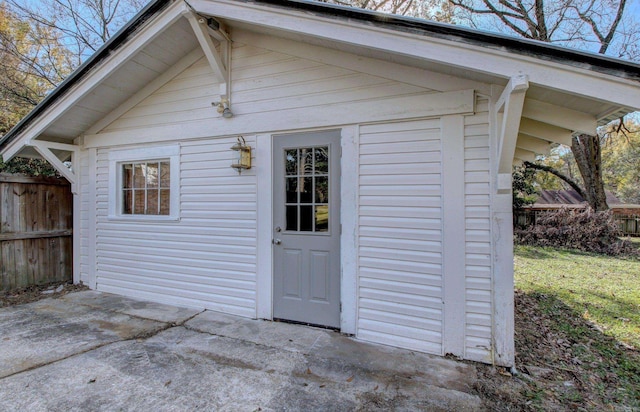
column 103, row 52
column 534, row 48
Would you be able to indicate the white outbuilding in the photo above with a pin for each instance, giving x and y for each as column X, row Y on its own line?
column 313, row 163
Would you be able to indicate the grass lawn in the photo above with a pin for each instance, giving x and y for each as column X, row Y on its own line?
column 577, row 332
column 604, row 290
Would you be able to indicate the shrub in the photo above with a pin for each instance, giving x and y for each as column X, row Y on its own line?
column 582, row 229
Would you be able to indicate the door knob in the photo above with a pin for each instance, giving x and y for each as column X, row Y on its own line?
column 277, row 241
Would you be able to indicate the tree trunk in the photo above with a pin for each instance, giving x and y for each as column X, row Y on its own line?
column 586, row 151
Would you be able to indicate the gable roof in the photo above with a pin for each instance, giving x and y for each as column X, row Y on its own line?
column 397, row 36
column 533, row 48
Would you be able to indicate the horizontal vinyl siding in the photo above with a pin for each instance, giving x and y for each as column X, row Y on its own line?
column 208, row 258
column 263, row 81
column 478, row 269
column 400, row 235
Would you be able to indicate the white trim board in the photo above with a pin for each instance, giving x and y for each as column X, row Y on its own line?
column 264, row 272
column 387, row 109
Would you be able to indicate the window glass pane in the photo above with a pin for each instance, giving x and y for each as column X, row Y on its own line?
column 291, row 190
column 321, row 155
column 152, row 202
column 322, row 189
column 291, row 161
column 306, row 189
column 306, row 218
column 165, row 174
column 322, row 218
column 152, row 174
column 306, row 161
column 138, row 176
column 127, row 207
column 146, row 188
column 292, row 217
column 165, row 201
column 127, row 175
column 138, row 202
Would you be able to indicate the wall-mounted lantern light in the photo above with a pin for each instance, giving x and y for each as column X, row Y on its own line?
column 244, row 155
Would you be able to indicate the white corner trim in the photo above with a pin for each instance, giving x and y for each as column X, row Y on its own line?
column 92, row 203
column 350, row 136
column 264, row 271
column 453, row 233
column 502, row 319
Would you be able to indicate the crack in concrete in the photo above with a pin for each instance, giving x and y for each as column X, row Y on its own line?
column 142, row 335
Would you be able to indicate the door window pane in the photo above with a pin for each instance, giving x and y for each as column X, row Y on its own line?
column 322, row 218
column 291, row 161
column 307, row 189
column 321, row 159
column 292, row 217
column 306, row 218
column 322, row 189
column 306, row 161
column 291, row 190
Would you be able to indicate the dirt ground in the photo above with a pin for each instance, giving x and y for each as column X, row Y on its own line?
column 34, row 293
column 564, row 364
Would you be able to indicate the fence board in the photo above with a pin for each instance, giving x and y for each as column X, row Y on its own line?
column 35, row 231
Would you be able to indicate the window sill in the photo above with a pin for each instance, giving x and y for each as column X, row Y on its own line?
column 144, row 219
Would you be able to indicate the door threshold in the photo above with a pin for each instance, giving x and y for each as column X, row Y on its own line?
column 313, row 325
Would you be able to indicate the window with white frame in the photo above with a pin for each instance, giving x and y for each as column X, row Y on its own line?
column 144, row 183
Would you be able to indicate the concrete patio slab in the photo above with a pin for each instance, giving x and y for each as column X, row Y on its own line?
column 323, row 343
column 132, row 307
column 49, row 330
column 211, row 362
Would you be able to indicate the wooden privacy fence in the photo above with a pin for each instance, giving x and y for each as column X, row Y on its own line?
column 629, row 225
column 36, row 215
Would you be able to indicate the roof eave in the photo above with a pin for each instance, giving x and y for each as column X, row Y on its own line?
column 102, row 53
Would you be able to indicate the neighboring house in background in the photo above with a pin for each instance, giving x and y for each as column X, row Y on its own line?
column 379, row 197
column 555, row 199
column 626, row 214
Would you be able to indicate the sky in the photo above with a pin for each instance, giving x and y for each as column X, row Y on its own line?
column 633, row 8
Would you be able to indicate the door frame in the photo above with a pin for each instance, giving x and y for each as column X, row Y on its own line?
column 348, row 217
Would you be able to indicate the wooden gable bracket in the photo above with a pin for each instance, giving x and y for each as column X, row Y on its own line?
column 44, row 149
column 218, row 60
column 508, row 111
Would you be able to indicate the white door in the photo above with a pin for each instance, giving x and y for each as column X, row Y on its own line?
column 306, row 233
